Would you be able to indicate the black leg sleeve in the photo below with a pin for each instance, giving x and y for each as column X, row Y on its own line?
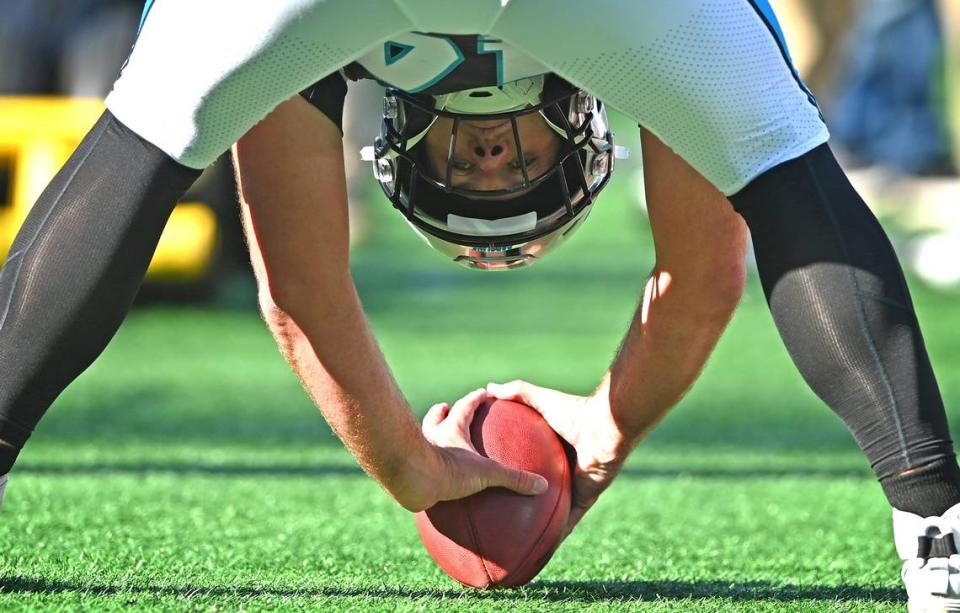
column 841, row 304
column 75, row 268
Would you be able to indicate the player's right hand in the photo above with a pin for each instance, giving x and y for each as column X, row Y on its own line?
column 586, row 423
column 459, row 470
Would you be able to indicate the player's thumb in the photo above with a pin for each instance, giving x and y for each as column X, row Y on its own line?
column 435, row 415
column 520, row 481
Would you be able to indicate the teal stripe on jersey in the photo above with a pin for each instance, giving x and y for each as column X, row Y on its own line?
column 771, row 17
column 143, row 16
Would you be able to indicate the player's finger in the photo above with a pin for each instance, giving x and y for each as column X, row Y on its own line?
column 463, row 410
column 554, row 406
column 540, row 398
column 518, row 390
column 519, row 481
column 435, row 415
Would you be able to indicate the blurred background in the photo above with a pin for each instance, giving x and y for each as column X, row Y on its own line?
column 885, row 73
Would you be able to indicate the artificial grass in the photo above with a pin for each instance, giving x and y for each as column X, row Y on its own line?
column 186, row 468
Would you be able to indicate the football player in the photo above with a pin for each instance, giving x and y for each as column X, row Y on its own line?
column 494, row 146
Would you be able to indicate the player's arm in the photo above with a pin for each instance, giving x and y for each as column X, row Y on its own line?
column 293, row 193
column 692, row 292
column 695, row 286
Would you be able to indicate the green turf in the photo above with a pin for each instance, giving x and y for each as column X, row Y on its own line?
column 186, row 469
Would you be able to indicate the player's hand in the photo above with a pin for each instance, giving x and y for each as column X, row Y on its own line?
column 460, row 470
column 586, row 424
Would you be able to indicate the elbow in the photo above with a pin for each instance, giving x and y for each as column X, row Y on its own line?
column 282, row 300
column 276, row 312
column 270, row 306
column 724, row 286
column 728, row 268
column 708, row 292
column 721, row 292
column 273, row 314
column 299, row 295
column 719, row 275
column 283, row 328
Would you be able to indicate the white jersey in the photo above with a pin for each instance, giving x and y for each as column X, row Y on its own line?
column 711, row 78
column 417, row 62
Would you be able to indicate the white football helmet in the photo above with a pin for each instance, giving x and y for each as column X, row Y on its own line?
column 504, row 228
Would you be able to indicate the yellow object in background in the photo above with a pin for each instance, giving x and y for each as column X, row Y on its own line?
column 37, row 135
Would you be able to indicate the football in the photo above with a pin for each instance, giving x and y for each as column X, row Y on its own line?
column 497, row 538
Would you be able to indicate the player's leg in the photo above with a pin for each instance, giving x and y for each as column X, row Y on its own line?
column 199, row 76
column 712, row 79
column 75, row 267
column 841, row 304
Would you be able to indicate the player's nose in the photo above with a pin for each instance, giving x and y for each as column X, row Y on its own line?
column 490, row 153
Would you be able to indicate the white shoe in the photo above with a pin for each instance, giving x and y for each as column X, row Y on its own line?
column 929, row 549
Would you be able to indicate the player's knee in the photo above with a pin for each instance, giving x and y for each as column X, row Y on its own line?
column 8, row 455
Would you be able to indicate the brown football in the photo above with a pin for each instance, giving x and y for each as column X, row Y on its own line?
column 497, row 538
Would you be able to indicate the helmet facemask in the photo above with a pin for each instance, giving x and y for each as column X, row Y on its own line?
column 500, row 228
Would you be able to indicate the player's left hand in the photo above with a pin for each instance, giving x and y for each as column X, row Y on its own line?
column 463, row 471
column 587, row 424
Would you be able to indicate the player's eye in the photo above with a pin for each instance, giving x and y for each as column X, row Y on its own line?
column 517, row 165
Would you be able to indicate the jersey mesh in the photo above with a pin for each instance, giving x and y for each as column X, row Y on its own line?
column 715, row 87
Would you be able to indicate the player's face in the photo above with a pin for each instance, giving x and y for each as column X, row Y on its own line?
column 486, row 156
